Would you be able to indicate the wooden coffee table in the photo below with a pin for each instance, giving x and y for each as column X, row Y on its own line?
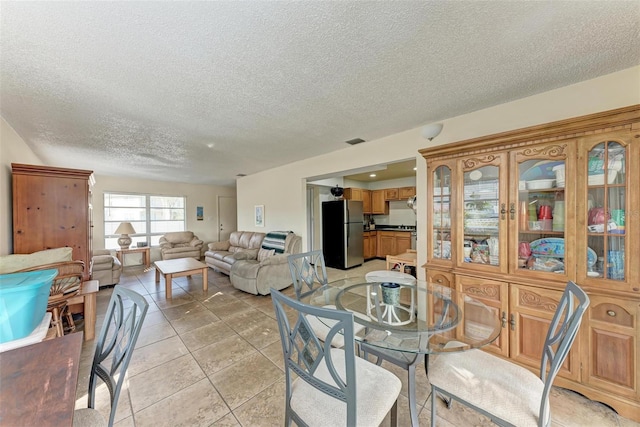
column 180, row 267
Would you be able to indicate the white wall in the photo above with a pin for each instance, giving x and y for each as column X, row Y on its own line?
column 197, row 195
column 13, row 149
column 282, row 190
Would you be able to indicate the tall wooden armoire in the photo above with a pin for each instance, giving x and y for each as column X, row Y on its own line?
column 52, row 209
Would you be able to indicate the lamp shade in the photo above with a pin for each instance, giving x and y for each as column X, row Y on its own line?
column 125, row 228
column 431, row 131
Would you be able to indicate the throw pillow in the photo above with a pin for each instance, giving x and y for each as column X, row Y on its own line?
column 265, row 253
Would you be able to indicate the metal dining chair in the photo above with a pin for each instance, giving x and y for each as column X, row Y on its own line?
column 332, row 387
column 505, row 392
column 114, row 348
column 308, row 272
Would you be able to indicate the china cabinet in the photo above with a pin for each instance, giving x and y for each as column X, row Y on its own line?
column 513, row 216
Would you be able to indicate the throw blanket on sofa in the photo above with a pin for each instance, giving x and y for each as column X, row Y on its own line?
column 275, row 240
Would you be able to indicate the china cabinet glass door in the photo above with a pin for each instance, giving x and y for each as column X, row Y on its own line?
column 540, row 208
column 606, row 209
column 483, row 213
column 441, row 213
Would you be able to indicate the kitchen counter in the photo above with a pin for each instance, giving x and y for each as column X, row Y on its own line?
column 392, row 228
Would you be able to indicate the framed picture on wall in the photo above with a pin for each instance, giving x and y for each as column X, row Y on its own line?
column 259, row 215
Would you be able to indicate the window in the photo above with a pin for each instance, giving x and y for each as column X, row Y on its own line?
column 151, row 216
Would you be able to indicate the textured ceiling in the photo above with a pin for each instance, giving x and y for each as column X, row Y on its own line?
column 202, row 91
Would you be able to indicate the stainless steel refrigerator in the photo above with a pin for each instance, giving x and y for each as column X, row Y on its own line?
column 342, row 228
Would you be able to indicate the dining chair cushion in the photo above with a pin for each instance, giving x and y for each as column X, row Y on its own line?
column 87, row 417
column 513, row 395
column 377, row 390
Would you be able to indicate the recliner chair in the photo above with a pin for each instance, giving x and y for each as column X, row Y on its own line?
column 180, row 244
column 105, row 268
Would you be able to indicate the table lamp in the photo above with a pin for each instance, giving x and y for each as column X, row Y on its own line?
column 124, row 229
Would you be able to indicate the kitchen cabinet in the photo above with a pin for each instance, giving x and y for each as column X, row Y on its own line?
column 386, row 244
column 391, row 194
column 513, row 216
column 406, row 192
column 403, row 242
column 378, row 204
column 52, row 209
column 392, row 243
column 370, row 243
column 366, row 201
column 352, row 193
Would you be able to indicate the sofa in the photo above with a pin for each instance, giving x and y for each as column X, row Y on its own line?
column 251, row 267
column 105, row 268
column 180, row 244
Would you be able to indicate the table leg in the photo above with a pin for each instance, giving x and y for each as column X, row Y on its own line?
column 205, row 278
column 167, row 283
column 147, row 258
column 157, row 275
column 90, row 316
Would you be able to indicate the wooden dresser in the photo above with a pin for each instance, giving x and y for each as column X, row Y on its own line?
column 52, row 209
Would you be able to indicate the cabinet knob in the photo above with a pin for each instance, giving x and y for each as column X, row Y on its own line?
column 439, row 280
column 611, row 313
column 512, row 211
column 503, row 210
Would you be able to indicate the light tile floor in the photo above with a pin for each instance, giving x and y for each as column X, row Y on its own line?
column 214, row 359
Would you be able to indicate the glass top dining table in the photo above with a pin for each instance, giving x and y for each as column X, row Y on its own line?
column 445, row 322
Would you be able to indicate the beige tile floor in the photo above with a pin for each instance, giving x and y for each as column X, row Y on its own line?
column 214, row 359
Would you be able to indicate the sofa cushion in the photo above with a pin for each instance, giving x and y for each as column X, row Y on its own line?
column 179, row 237
column 246, row 254
column 218, row 254
column 229, row 259
column 15, row 262
column 265, row 253
column 247, row 269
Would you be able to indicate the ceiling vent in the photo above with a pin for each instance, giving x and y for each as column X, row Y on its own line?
column 241, row 175
column 354, row 141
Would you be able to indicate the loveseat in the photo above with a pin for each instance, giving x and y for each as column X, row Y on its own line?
column 180, row 244
column 105, row 268
column 250, row 266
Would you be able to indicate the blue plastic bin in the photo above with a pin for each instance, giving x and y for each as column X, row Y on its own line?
column 23, row 302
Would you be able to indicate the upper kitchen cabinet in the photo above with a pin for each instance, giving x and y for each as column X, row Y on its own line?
column 352, row 193
column 391, row 194
column 406, row 192
column 366, row 201
column 378, row 203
